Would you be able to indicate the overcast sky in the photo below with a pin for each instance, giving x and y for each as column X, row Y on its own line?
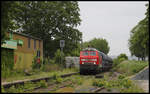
column 112, row 21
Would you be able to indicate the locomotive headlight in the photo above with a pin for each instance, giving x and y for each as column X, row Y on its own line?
column 82, row 62
column 94, row 63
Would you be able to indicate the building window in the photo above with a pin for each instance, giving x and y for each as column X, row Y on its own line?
column 11, row 35
column 29, row 42
column 38, row 53
column 34, row 44
column 39, row 44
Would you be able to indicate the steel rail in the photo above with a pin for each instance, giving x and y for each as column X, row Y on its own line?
column 9, row 84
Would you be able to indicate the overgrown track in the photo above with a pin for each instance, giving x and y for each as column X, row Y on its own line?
column 15, row 83
column 97, row 89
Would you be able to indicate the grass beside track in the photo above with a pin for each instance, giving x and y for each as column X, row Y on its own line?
column 130, row 67
column 39, row 74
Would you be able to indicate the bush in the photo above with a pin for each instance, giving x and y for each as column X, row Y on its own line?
column 35, row 64
column 77, row 80
column 99, row 83
column 59, row 58
column 121, row 76
column 123, row 56
column 12, row 89
column 43, row 84
column 131, row 67
column 115, row 62
column 2, row 89
column 75, row 52
column 57, row 77
column 121, row 59
column 7, row 62
column 49, row 65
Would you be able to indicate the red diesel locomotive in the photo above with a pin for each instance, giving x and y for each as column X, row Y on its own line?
column 92, row 60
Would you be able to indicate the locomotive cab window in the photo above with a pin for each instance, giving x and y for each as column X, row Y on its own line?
column 85, row 53
column 92, row 53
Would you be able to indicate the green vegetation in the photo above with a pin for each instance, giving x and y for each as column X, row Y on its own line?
column 59, row 58
column 38, row 74
column 122, row 57
column 36, row 64
column 121, row 83
column 139, row 38
column 6, row 19
column 7, row 64
column 43, row 84
column 77, row 80
column 98, row 43
column 57, row 77
column 56, row 21
column 31, row 85
column 131, row 67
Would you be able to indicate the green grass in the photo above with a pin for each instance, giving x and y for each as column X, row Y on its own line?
column 38, row 74
column 124, row 85
column 129, row 67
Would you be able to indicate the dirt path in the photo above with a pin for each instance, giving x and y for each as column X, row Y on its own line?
column 144, row 84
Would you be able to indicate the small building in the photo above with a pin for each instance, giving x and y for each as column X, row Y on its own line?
column 25, row 48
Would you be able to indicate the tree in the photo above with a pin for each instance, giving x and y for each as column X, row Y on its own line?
column 6, row 24
column 123, row 56
column 50, row 21
column 139, row 38
column 98, row 43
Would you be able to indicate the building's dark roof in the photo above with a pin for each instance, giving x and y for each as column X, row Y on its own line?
column 26, row 35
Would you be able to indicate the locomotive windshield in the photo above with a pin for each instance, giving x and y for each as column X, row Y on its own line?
column 85, row 53
column 90, row 53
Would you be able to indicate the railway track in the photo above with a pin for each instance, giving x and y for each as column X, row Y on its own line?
column 97, row 89
column 52, row 86
column 15, row 83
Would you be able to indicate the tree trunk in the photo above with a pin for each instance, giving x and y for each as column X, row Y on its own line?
column 138, row 58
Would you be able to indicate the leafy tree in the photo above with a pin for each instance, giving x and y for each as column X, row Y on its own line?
column 123, row 56
column 50, row 21
column 139, row 38
column 98, row 43
column 6, row 19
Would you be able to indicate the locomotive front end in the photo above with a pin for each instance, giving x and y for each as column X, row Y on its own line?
column 88, row 61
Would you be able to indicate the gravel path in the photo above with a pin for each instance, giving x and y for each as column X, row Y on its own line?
column 144, row 75
column 142, row 79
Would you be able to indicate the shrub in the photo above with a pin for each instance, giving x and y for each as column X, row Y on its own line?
column 11, row 89
column 123, row 56
column 78, row 80
column 57, row 77
column 43, row 84
column 121, row 59
column 115, row 62
column 130, row 67
column 75, row 52
column 59, row 58
column 2, row 89
column 121, row 76
column 35, row 64
column 99, row 83
column 7, row 62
